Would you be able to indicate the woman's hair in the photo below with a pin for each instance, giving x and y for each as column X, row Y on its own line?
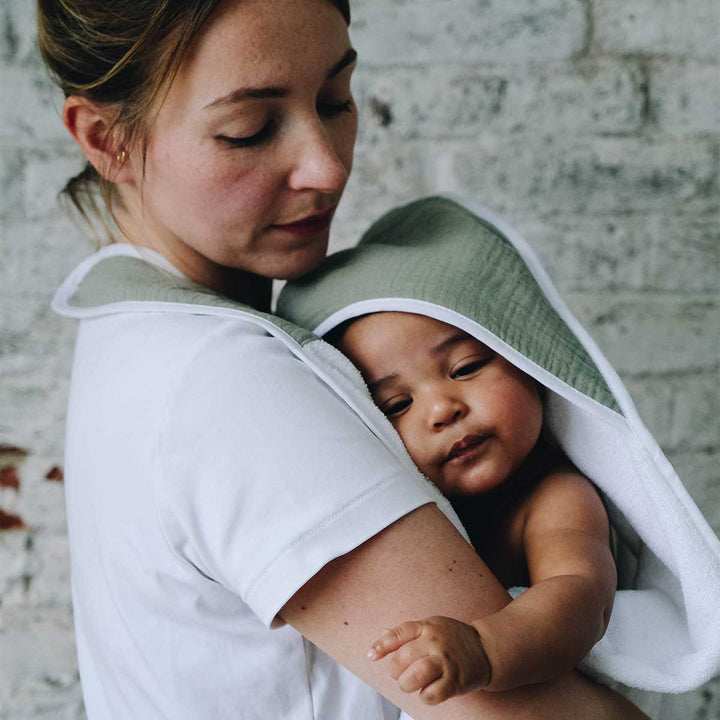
column 125, row 53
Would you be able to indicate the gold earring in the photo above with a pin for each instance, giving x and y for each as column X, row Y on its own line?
column 120, row 157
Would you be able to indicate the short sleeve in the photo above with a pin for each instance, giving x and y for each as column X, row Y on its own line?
column 265, row 473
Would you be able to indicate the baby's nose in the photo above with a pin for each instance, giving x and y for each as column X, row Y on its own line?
column 446, row 411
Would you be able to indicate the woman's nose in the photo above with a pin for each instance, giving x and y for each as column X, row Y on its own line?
column 445, row 410
column 317, row 165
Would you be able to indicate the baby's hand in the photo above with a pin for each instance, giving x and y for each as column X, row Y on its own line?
column 438, row 656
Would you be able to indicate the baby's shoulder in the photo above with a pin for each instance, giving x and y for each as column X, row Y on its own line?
column 564, row 497
column 562, row 479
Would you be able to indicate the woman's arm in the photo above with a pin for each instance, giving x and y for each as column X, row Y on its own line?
column 417, row 567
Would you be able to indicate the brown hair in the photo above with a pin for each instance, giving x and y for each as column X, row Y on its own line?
column 125, row 53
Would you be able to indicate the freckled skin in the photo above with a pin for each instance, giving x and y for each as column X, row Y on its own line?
column 211, row 207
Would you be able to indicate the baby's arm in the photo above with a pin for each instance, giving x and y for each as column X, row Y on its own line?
column 548, row 629
column 542, row 634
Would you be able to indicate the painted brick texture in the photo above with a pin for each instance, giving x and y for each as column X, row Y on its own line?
column 593, row 125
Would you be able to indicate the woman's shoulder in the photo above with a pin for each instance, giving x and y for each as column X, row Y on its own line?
column 251, row 439
column 185, row 342
column 236, row 351
column 238, row 378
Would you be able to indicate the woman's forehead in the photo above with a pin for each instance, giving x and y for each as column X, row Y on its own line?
column 255, row 43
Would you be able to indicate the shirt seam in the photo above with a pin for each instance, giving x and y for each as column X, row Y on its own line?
column 300, row 539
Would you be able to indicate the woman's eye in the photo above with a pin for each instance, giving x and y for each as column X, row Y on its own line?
column 470, row 368
column 331, row 110
column 250, row 140
column 396, row 407
column 325, row 109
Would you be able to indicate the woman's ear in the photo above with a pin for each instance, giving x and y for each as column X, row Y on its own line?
column 90, row 123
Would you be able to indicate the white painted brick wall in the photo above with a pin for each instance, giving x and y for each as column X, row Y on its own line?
column 592, row 124
column 426, row 31
column 650, row 333
column 684, row 96
column 459, row 101
column 586, row 175
column 683, row 28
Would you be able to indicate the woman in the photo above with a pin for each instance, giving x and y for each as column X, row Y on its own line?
column 217, row 482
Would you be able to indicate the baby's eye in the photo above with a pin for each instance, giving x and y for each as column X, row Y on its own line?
column 395, row 407
column 469, row 368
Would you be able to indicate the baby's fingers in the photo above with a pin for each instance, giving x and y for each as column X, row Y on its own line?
column 436, row 692
column 395, row 638
column 420, row 674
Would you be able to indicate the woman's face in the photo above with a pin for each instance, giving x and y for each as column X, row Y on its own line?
column 255, row 136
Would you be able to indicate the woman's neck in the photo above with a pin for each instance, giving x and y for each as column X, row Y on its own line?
column 237, row 284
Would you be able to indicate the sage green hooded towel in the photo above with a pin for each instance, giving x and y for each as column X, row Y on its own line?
column 455, row 261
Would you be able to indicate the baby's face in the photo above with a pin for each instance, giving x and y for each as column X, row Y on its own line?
column 466, row 415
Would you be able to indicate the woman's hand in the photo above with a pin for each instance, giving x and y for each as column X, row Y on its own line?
column 438, row 656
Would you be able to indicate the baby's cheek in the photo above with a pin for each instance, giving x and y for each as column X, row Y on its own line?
column 524, row 416
column 433, row 473
column 415, row 450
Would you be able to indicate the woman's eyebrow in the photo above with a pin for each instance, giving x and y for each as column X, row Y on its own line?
column 347, row 59
column 277, row 92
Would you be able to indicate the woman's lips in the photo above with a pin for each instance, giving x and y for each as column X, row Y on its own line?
column 310, row 225
column 466, row 448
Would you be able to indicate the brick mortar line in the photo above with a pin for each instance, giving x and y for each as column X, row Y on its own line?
column 646, row 132
column 704, row 449
column 589, row 36
column 535, row 65
column 669, row 375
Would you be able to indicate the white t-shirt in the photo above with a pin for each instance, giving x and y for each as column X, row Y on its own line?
column 209, row 474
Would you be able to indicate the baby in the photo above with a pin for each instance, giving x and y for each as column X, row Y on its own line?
column 472, row 423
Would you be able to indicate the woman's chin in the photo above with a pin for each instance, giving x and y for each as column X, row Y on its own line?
column 299, row 262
